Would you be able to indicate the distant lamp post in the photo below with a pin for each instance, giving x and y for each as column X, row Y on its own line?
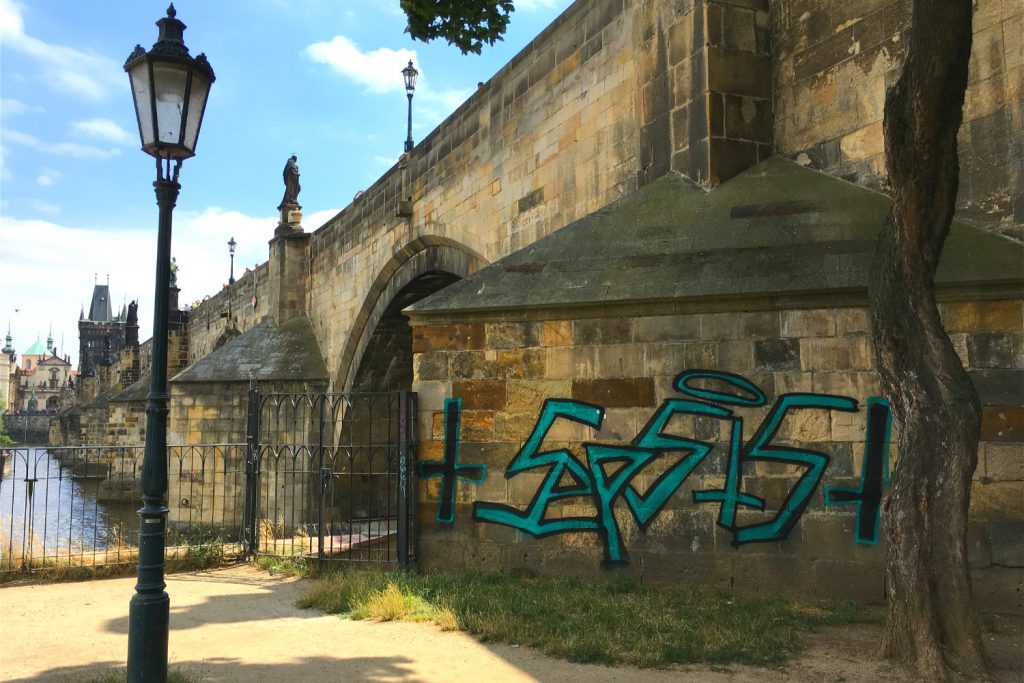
column 170, row 88
column 410, row 74
column 231, row 250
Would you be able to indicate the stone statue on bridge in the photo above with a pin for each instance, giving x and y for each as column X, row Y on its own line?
column 291, row 183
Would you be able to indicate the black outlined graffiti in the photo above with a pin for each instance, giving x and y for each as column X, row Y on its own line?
column 609, row 472
column 874, row 474
column 449, row 469
column 562, row 463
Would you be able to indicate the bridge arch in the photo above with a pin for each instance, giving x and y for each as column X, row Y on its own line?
column 423, row 266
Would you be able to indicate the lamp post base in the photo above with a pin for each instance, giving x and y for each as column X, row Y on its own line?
column 149, row 616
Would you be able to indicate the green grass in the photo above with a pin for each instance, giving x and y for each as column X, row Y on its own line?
column 197, row 556
column 121, row 675
column 286, row 566
column 612, row 622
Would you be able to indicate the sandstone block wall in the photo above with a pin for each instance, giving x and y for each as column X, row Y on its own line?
column 127, row 424
column 613, row 94
column 503, row 372
column 552, row 137
column 833, row 63
column 209, row 321
column 208, row 413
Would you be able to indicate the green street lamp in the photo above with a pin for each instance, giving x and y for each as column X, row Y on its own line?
column 409, row 75
column 231, row 250
column 170, row 88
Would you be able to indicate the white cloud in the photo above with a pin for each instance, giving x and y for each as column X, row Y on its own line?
column 10, row 19
column 376, row 70
column 72, row 149
column 103, row 129
column 63, row 68
column 51, row 284
column 12, row 107
column 380, row 72
column 44, row 207
column 534, row 5
column 433, row 106
column 48, row 177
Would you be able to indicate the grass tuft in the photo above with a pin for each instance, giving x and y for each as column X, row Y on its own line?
column 294, row 565
column 121, row 675
column 617, row 621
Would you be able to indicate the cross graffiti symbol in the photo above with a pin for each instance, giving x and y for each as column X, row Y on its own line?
column 874, row 477
column 450, row 470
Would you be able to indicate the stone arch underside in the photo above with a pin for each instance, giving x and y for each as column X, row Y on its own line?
column 422, row 267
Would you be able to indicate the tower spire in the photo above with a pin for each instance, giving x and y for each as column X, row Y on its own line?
column 9, row 346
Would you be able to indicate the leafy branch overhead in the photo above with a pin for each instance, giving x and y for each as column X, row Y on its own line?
column 466, row 24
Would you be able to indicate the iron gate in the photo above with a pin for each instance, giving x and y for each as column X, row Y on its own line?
column 330, row 476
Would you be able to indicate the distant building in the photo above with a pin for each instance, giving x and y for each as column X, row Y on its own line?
column 101, row 335
column 8, row 364
column 41, row 378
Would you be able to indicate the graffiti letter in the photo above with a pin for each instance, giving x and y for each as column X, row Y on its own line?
column 756, row 398
column 644, row 508
column 874, row 475
column 730, row 495
column 607, row 490
column 760, row 448
column 449, row 469
column 561, row 461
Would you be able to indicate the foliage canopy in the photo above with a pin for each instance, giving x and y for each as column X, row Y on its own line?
column 466, row 24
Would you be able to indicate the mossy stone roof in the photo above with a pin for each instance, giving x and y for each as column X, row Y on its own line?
column 265, row 352
column 776, row 229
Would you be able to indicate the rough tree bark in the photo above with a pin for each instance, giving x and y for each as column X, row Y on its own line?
column 931, row 625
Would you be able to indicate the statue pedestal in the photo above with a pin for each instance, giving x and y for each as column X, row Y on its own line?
column 290, row 220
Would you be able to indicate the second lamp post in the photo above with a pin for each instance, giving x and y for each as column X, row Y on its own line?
column 231, row 250
column 410, row 74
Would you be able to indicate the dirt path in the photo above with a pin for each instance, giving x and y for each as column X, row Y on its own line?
column 239, row 624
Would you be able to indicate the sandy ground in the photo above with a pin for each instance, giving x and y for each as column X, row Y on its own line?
column 240, row 624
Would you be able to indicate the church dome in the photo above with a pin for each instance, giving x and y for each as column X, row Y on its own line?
column 37, row 349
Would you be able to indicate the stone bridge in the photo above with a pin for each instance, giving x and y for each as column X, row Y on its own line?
column 651, row 196
column 610, row 97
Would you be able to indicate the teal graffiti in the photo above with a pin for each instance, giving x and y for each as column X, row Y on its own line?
column 874, row 474
column 608, row 489
column 756, row 398
column 609, row 473
column 652, row 437
column 562, row 463
column 450, row 470
column 760, row 447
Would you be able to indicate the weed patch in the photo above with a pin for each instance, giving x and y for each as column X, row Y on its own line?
column 286, row 566
column 121, row 675
column 611, row 622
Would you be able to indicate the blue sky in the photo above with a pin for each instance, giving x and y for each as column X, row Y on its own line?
column 318, row 78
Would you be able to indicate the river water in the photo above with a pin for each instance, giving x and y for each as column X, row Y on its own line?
column 49, row 510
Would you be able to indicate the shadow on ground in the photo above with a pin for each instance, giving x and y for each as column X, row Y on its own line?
column 227, row 669
column 276, row 598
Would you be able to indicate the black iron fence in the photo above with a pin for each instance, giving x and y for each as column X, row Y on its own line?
column 331, row 475
column 76, row 506
column 326, row 476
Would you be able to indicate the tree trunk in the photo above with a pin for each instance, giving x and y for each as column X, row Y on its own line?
column 931, row 625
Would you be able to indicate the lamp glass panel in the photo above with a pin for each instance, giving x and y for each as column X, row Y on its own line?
column 169, row 86
column 141, row 90
column 196, row 105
